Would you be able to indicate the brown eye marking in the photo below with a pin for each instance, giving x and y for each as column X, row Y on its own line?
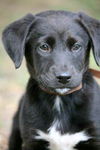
column 50, row 41
column 70, row 42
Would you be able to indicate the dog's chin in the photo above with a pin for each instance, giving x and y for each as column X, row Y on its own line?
column 62, row 91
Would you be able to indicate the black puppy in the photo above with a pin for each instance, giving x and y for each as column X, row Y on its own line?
column 60, row 109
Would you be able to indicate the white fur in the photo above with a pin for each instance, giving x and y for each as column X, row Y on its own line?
column 62, row 91
column 57, row 141
column 58, row 104
column 56, row 124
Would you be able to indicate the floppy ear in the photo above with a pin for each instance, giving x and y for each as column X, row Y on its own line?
column 14, row 38
column 92, row 26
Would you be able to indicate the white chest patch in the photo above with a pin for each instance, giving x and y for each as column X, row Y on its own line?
column 56, row 140
column 62, row 142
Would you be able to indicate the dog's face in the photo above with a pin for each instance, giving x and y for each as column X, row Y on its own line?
column 57, row 46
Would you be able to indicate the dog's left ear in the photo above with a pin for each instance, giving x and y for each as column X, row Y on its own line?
column 14, row 38
column 92, row 26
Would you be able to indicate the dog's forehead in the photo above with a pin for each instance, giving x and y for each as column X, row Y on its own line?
column 54, row 24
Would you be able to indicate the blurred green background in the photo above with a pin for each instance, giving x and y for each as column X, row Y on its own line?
column 12, row 82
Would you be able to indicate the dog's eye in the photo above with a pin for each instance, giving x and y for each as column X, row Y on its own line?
column 76, row 47
column 44, row 47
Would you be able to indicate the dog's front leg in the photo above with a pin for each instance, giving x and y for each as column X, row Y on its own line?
column 40, row 145
column 33, row 148
column 15, row 141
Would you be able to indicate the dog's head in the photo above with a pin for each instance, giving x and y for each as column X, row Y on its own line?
column 56, row 45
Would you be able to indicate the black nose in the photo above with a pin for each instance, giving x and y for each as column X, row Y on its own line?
column 64, row 78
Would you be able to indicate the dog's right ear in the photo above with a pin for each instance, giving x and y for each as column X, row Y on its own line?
column 14, row 38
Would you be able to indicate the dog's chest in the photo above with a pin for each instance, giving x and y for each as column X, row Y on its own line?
column 56, row 140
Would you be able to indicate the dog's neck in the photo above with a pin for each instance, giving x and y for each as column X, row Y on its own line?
column 64, row 108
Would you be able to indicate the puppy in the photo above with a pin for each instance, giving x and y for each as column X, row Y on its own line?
column 60, row 109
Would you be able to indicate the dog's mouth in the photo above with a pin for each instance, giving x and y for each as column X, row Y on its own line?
column 62, row 91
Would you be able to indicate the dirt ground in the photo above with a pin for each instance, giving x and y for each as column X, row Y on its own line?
column 8, row 105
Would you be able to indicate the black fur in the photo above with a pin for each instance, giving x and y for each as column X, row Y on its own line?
column 60, row 30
